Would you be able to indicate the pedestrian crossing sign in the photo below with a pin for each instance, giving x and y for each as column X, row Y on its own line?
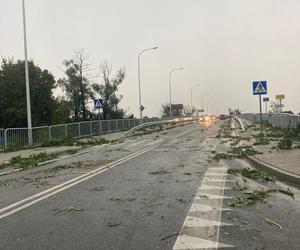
column 98, row 103
column 260, row 88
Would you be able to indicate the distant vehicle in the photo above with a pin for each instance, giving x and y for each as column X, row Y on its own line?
column 222, row 117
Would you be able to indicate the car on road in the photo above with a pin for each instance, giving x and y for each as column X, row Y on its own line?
column 222, row 117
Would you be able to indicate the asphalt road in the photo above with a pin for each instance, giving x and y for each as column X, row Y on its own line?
column 160, row 191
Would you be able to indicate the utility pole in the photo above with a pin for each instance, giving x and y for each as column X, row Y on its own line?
column 29, row 123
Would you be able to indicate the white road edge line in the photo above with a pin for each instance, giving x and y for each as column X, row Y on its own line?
column 56, row 189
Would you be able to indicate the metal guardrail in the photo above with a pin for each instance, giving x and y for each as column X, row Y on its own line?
column 19, row 136
column 276, row 119
column 2, row 139
column 159, row 122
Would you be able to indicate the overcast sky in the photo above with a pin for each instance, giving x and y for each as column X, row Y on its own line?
column 223, row 45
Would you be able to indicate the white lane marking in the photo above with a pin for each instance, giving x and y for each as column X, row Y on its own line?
column 211, row 187
column 61, row 187
column 201, row 196
column 191, row 221
column 216, row 180
column 197, row 207
column 217, row 169
column 215, row 174
column 192, row 237
column 190, row 242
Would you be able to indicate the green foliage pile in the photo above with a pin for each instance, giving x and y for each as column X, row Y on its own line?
column 285, row 143
column 31, row 161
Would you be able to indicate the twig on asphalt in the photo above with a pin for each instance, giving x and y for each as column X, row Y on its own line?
column 274, row 223
column 170, row 235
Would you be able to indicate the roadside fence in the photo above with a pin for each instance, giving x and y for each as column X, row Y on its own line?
column 282, row 120
column 19, row 136
column 2, row 139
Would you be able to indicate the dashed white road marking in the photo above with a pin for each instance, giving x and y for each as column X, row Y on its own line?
column 215, row 174
column 197, row 207
column 210, row 187
column 198, row 222
column 202, row 224
column 189, row 242
column 216, row 180
column 201, row 196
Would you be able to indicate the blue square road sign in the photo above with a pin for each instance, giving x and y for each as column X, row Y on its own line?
column 259, row 88
column 98, row 103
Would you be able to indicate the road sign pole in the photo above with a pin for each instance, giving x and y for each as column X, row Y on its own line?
column 280, row 105
column 260, row 116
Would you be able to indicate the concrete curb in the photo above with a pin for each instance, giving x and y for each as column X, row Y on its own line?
column 282, row 175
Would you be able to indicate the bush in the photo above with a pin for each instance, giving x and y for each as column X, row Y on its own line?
column 285, row 143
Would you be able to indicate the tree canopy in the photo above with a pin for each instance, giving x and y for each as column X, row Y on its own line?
column 13, row 111
column 107, row 91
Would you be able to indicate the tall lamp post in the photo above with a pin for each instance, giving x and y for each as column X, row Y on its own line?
column 196, row 86
column 202, row 101
column 29, row 123
column 139, row 79
column 170, row 87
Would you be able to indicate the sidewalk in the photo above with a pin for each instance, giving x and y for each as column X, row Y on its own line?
column 6, row 156
column 285, row 164
column 286, row 160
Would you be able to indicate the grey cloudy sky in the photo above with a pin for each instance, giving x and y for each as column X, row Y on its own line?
column 223, row 45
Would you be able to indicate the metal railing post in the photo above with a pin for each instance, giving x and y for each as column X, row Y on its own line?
column 79, row 132
column 50, row 135
column 5, row 139
column 66, row 130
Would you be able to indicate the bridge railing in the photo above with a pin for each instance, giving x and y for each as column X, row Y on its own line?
column 19, row 136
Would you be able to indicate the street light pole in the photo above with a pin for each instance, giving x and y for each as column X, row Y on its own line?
column 202, row 103
column 207, row 107
column 29, row 123
column 170, row 88
column 139, row 80
column 192, row 95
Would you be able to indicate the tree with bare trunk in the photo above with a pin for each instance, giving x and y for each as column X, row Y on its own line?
column 76, row 83
column 108, row 91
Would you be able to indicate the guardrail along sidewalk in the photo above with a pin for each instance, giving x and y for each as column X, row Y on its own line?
column 19, row 136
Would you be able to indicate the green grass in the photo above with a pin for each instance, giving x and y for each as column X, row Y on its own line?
column 31, row 161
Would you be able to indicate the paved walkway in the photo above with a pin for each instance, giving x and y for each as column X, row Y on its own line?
column 6, row 156
column 286, row 160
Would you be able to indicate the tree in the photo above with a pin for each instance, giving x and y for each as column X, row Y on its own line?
column 62, row 112
column 13, row 112
column 177, row 110
column 276, row 107
column 235, row 111
column 76, row 83
column 108, row 91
